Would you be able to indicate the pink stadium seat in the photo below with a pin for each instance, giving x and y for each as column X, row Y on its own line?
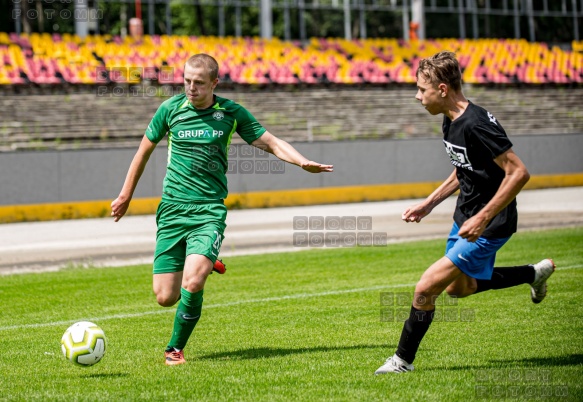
column 166, row 75
column 149, row 73
column 178, row 77
column 14, row 77
column 67, row 74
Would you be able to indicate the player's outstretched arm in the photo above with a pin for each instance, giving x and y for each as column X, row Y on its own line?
column 284, row 151
column 417, row 212
column 120, row 205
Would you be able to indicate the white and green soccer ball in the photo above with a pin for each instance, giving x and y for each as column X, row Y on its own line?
column 83, row 343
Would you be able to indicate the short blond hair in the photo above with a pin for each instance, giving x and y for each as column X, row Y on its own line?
column 206, row 61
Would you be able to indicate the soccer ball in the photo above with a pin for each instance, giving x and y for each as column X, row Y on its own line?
column 83, row 343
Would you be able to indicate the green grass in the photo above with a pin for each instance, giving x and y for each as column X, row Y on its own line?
column 299, row 326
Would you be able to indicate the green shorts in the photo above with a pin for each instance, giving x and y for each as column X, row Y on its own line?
column 185, row 229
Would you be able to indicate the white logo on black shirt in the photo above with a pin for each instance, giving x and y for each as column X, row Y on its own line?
column 458, row 155
column 492, row 118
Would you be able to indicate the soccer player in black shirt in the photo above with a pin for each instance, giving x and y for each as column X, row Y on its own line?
column 489, row 175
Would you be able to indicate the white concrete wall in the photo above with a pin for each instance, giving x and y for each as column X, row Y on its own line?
column 61, row 176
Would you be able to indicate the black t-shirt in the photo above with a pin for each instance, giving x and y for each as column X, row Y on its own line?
column 472, row 142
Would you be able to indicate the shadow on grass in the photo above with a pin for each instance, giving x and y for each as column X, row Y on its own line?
column 566, row 360
column 105, row 375
column 260, row 353
column 547, row 361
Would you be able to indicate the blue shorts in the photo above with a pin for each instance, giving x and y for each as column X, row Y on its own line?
column 473, row 259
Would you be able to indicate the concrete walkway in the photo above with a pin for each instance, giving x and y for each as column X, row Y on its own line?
column 26, row 247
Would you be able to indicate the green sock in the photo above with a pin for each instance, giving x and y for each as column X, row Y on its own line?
column 187, row 315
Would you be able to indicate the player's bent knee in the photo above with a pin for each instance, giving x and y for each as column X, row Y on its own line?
column 166, row 299
column 195, row 283
column 462, row 287
column 460, row 292
column 455, row 293
column 424, row 296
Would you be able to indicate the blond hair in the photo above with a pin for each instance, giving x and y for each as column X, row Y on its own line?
column 206, row 61
column 442, row 67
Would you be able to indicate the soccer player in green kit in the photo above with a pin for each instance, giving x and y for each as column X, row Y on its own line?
column 191, row 215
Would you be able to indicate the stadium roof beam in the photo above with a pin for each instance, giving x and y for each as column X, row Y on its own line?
column 362, row 19
column 168, row 15
column 81, row 20
column 475, row 29
column 418, row 17
column 238, row 20
column 302, row 20
column 516, row 20
column 151, row 17
column 286, row 21
column 575, row 21
column 347, row 21
column 16, row 16
column 266, row 16
column 222, row 19
column 530, row 20
column 462, row 19
column 406, row 20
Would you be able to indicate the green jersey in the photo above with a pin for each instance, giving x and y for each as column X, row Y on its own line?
column 198, row 144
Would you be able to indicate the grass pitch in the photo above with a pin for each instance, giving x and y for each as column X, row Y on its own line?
column 305, row 326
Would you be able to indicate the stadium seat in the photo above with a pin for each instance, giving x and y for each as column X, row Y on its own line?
column 43, row 58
